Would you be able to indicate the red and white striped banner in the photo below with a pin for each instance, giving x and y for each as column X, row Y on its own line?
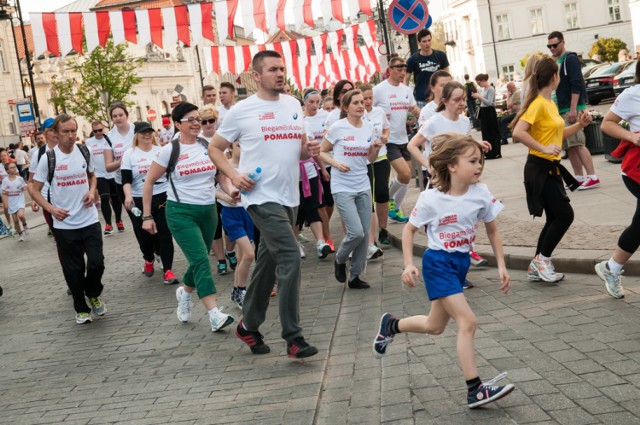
column 326, row 63
column 61, row 33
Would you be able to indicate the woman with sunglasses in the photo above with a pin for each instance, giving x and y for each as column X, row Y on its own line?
column 135, row 166
column 209, row 115
column 191, row 211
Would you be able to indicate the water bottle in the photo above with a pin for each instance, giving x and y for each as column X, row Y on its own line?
column 255, row 176
column 136, row 211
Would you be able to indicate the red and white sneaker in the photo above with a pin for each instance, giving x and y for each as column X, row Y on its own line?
column 590, row 183
column 477, row 260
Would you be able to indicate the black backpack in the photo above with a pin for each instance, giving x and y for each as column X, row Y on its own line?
column 51, row 164
column 173, row 160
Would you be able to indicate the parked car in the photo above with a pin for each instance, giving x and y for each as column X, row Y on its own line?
column 588, row 70
column 585, row 63
column 625, row 79
column 600, row 83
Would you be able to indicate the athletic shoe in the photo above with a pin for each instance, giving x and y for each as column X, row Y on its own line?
column 299, row 349
column 612, row 282
column 233, row 260
column 330, row 243
column 356, row 283
column 302, row 238
column 148, row 268
column 340, row 272
column 323, row 249
column 589, row 183
column 374, row 252
column 97, row 306
column 159, row 260
column 254, row 340
column 302, row 253
column 120, row 226
column 21, row 238
column 486, row 394
column 242, row 293
column 184, row 307
column 383, row 237
column 222, row 268
column 234, row 294
column 384, row 337
column 82, row 318
column 398, row 216
column 533, row 275
column 108, row 230
column 467, row 284
column 26, row 230
column 477, row 260
column 545, row 270
column 220, row 321
column 170, row 278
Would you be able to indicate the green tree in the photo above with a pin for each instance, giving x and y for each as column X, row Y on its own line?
column 105, row 76
column 607, row 49
column 525, row 58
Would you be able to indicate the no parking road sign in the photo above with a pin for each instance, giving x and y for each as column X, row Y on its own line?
column 408, row 16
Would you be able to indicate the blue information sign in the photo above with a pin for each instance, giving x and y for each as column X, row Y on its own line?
column 408, row 16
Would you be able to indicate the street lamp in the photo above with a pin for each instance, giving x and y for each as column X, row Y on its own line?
column 6, row 11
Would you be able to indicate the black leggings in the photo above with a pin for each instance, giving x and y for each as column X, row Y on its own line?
column 379, row 173
column 629, row 240
column 109, row 198
column 559, row 215
column 162, row 240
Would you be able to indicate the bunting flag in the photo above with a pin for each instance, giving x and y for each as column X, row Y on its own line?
column 61, row 33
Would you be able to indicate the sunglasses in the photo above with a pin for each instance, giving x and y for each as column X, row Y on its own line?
column 399, row 66
column 191, row 120
column 209, row 121
column 553, row 46
column 100, row 130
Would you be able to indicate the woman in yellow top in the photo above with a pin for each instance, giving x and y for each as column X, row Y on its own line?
column 540, row 127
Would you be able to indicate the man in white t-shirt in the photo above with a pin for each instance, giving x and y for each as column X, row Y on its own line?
column 269, row 127
column 397, row 100
column 209, row 95
column 227, row 96
column 167, row 131
column 40, row 141
column 71, row 203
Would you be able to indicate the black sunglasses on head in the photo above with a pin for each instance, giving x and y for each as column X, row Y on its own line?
column 399, row 66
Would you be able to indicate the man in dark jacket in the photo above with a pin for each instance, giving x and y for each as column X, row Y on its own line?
column 571, row 97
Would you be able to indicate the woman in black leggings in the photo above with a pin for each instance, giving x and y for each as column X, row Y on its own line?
column 540, row 127
column 625, row 108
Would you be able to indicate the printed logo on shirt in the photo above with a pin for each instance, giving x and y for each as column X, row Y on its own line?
column 493, row 200
column 393, row 96
column 267, row 116
column 183, row 157
column 282, row 132
column 449, row 219
column 349, row 138
column 97, row 152
column 62, row 167
column 295, row 116
column 71, row 180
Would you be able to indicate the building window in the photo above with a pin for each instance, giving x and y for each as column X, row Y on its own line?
column 537, row 23
column 571, row 15
column 3, row 59
column 614, row 10
column 502, row 22
column 508, row 71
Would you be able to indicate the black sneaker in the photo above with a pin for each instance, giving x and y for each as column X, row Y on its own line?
column 234, row 295
column 486, row 394
column 384, row 337
column 340, row 272
column 358, row 284
column 222, row 268
column 253, row 340
column 299, row 349
column 233, row 260
column 383, row 237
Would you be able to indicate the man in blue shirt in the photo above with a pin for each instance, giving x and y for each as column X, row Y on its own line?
column 422, row 65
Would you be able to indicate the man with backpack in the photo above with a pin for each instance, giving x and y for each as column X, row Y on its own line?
column 70, row 200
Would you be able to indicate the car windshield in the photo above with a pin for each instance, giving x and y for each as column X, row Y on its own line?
column 607, row 70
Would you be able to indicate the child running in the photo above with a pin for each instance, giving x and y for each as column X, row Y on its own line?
column 13, row 188
column 450, row 212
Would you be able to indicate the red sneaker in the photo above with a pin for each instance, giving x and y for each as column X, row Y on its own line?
column 148, row 268
column 108, row 230
column 589, row 183
column 476, row 259
column 169, row 277
column 330, row 243
column 120, row 226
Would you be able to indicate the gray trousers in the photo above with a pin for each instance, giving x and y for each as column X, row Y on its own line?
column 355, row 210
column 278, row 257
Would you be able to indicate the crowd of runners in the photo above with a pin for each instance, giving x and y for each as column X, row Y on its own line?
column 239, row 182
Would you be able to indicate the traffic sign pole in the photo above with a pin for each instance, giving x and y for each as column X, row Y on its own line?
column 385, row 29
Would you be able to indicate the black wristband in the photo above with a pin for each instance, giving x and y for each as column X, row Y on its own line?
column 147, row 217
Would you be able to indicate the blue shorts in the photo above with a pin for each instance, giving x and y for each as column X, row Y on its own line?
column 444, row 272
column 237, row 223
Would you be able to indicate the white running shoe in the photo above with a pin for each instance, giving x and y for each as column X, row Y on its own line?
column 323, row 249
column 374, row 252
column 612, row 282
column 302, row 253
column 21, row 238
column 544, row 269
column 184, row 307
column 220, row 320
column 27, row 230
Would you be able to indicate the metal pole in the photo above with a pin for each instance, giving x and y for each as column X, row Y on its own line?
column 385, row 30
column 199, row 68
column 29, row 70
column 493, row 40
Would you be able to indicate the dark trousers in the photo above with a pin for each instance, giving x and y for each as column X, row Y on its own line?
column 83, row 279
column 630, row 238
column 559, row 215
column 489, row 128
column 109, row 197
column 503, row 126
column 162, row 239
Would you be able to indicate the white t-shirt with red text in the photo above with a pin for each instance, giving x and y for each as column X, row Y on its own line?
column 439, row 124
column 270, row 136
column 351, row 147
column 194, row 176
column 395, row 101
column 119, row 145
column 97, row 147
column 378, row 118
column 69, row 186
column 14, row 191
column 139, row 162
column 451, row 222
column 33, row 168
column 427, row 112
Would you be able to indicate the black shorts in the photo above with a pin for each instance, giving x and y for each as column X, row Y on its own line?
column 308, row 209
column 106, row 186
column 327, row 197
column 398, row 151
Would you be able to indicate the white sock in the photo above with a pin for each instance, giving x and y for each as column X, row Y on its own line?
column 593, row 177
column 580, row 178
column 186, row 296
column 393, row 187
column 614, row 267
column 400, row 194
column 543, row 258
column 213, row 312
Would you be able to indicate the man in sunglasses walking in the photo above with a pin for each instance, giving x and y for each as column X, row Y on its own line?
column 571, row 97
column 422, row 64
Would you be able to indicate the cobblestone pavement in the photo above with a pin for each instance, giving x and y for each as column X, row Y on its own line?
column 572, row 351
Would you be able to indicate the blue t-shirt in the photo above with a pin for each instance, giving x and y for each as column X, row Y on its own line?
column 422, row 68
